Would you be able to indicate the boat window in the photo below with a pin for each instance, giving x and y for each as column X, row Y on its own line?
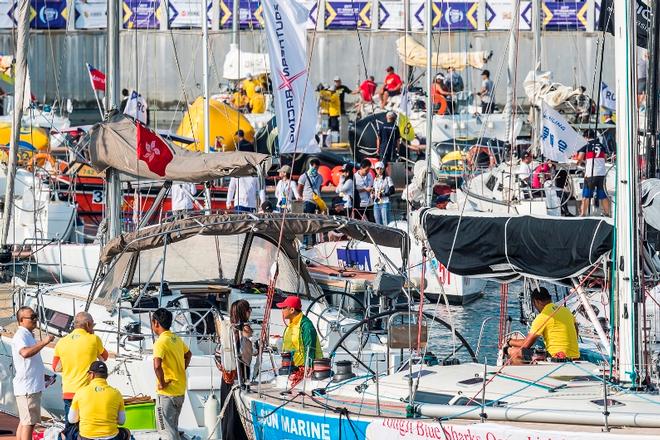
column 577, row 378
column 198, row 258
column 610, row 402
column 260, row 260
column 490, row 183
column 466, row 401
column 433, row 398
column 471, row 381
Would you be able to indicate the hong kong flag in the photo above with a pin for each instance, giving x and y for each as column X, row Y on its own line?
column 153, row 150
column 97, row 78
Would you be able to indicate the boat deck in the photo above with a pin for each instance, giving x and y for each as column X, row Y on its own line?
column 367, row 408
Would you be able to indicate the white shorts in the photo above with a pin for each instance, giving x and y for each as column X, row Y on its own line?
column 29, row 409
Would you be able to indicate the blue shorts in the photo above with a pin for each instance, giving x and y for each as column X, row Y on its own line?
column 594, row 184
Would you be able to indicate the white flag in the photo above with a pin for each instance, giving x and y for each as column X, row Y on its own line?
column 558, row 139
column 607, row 97
column 286, row 28
column 136, row 107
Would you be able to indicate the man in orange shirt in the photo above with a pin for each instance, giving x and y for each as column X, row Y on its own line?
column 74, row 354
column 391, row 87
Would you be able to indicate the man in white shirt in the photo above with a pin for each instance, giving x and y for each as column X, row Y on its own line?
column 243, row 193
column 525, row 170
column 364, row 185
column 29, row 381
column 182, row 196
column 286, row 190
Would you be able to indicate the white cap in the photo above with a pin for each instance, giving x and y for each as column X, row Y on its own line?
column 337, row 78
column 391, row 114
column 379, row 165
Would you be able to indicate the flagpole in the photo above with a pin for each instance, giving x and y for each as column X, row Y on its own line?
column 205, row 85
column 96, row 92
column 98, row 102
column 429, row 103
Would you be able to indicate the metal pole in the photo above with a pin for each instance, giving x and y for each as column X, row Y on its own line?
column 236, row 20
column 652, row 95
column 511, row 72
column 21, row 69
column 483, row 414
column 114, row 194
column 536, row 27
column 205, row 69
column 429, row 102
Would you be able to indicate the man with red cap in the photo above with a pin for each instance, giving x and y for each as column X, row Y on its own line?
column 300, row 336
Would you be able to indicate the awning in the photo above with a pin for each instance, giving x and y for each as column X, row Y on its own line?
column 491, row 246
column 265, row 224
column 112, row 144
column 414, row 54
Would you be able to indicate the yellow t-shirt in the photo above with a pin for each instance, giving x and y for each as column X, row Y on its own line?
column 558, row 330
column 98, row 405
column 258, row 103
column 249, row 86
column 239, row 100
column 329, row 103
column 171, row 350
column 77, row 351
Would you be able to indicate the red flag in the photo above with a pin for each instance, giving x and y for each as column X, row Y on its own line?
column 97, row 78
column 153, row 150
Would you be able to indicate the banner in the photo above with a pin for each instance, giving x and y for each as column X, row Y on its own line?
column 96, row 78
column 136, row 107
column 141, row 14
column 502, row 15
column 45, row 14
column 295, row 108
column 250, row 14
column 187, row 13
column 607, row 97
column 90, row 15
column 559, row 141
column 644, row 20
column 348, row 15
column 392, row 15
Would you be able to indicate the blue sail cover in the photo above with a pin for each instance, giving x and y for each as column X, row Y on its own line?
column 492, row 246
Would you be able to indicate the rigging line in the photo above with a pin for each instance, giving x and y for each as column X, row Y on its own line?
column 183, row 85
column 600, row 71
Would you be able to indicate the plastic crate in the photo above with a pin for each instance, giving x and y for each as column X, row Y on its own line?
column 140, row 416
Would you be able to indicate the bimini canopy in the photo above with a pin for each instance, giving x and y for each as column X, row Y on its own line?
column 269, row 225
column 112, row 144
column 487, row 245
column 414, row 54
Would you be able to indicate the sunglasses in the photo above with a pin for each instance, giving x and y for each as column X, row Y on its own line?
column 31, row 317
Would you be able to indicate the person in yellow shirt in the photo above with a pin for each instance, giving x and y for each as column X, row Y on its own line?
column 249, row 85
column 239, row 99
column 300, row 337
column 73, row 355
column 171, row 359
column 258, row 101
column 98, row 408
column 330, row 104
column 556, row 324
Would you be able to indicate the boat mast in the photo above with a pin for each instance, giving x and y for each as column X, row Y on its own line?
column 205, row 71
column 114, row 194
column 20, row 74
column 626, row 255
column 509, row 108
column 536, row 27
column 652, row 100
column 429, row 102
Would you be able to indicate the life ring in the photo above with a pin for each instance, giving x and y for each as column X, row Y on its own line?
column 443, row 105
column 40, row 160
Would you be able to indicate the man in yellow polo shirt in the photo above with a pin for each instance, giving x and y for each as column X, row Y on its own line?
column 556, row 324
column 99, row 408
column 73, row 355
column 257, row 101
column 171, row 359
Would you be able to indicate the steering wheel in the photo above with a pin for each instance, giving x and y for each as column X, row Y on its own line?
column 333, row 316
column 193, row 322
column 381, row 316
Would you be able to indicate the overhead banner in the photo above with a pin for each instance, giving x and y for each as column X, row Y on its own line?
column 90, row 15
column 141, row 14
column 6, row 20
column 348, row 15
column 250, row 13
column 455, row 15
column 559, row 141
column 295, row 107
column 560, row 15
column 186, row 13
column 503, row 13
column 46, row 14
column 644, row 19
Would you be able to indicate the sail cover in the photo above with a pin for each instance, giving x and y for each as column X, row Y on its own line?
column 414, row 54
column 491, row 246
column 112, row 144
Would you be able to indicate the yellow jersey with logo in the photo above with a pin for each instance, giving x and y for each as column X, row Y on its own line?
column 301, row 338
column 250, row 85
column 258, row 103
column 556, row 324
column 171, row 350
column 77, row 351
column 98, row 405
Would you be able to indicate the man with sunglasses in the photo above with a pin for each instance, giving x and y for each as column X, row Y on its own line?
column 29, row 380
column 74, row 353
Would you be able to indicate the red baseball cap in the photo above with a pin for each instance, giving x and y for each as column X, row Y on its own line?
column 290, row 301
